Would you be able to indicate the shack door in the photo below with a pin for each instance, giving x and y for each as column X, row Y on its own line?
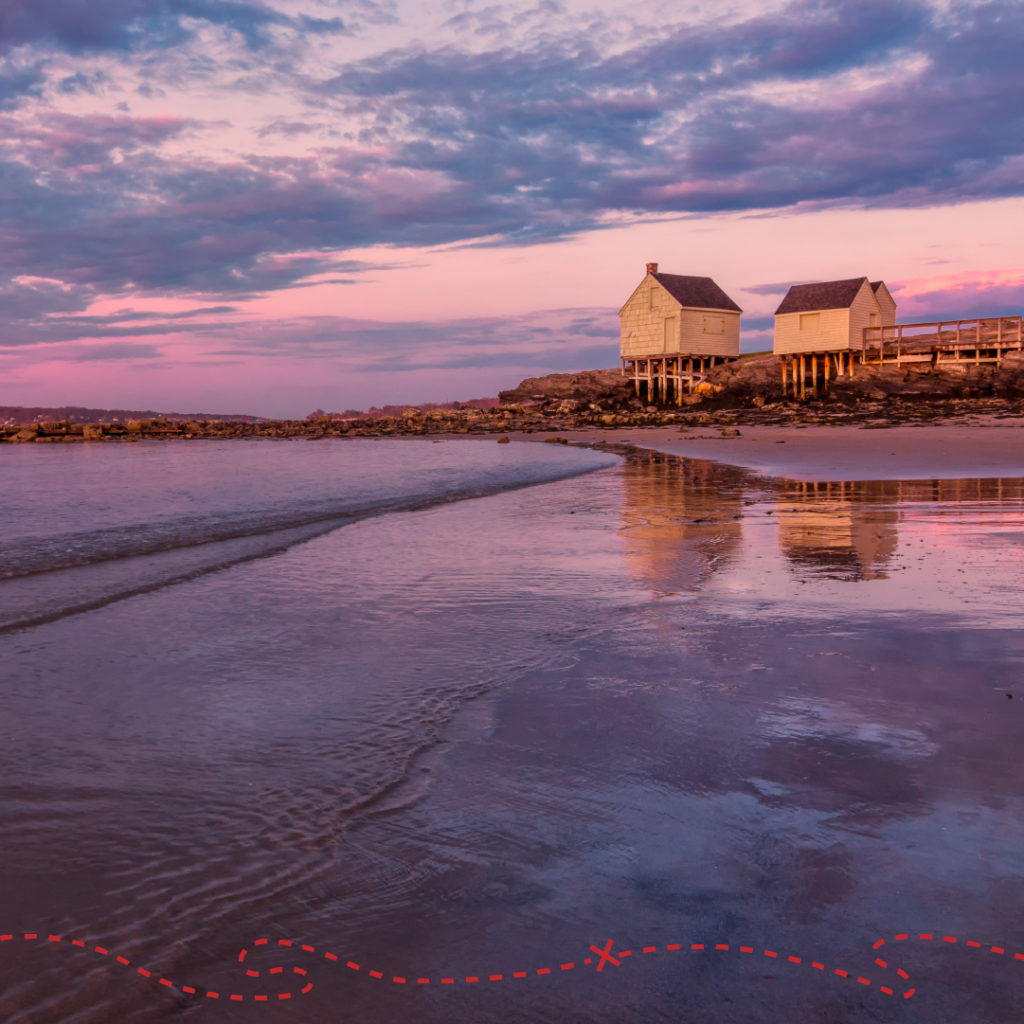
column 671, row 334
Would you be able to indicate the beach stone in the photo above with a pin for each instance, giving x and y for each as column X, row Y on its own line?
column 92, row 431
column 28, row 434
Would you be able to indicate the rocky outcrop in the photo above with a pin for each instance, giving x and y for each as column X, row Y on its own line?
column 745, row 391
column 607, row 388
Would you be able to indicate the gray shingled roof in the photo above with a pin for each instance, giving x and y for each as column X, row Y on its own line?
column 805, row 298
column 696, row 292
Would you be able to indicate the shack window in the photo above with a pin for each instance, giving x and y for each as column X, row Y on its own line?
column 809, row 321
column 714, row 325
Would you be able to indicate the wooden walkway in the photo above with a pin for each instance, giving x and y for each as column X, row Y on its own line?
column 981, row 340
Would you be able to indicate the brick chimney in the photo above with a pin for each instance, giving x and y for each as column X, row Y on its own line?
column 652, row 268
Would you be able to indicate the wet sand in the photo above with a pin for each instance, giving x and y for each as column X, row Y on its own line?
column 978, row 447
column 672, row 703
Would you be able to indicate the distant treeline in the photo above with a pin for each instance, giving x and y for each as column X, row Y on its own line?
column 10, row 414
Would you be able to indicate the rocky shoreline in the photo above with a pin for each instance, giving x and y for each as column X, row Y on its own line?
column 747, row 391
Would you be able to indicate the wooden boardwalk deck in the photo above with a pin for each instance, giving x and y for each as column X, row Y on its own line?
column 981, row 340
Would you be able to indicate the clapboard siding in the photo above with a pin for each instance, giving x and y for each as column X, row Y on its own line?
column 643, row 320
column 831, row 332
column 860, row 315
column 709, row 332
column 886, row 305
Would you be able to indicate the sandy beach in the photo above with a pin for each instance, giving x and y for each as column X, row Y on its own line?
column 976, row 447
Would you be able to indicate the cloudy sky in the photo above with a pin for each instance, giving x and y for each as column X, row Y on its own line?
column 270, row 206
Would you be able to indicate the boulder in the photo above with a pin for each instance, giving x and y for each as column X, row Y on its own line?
column 589, row 386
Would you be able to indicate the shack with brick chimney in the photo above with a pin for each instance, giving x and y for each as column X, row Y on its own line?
column 673, row 329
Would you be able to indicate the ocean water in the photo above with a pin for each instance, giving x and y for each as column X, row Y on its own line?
column 139, row 516
column 465, row 728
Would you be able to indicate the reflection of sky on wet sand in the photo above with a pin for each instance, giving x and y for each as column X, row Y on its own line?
column 797, row 738
column 673, row 715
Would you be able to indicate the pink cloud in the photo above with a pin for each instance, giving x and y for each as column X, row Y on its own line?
column 963, row 294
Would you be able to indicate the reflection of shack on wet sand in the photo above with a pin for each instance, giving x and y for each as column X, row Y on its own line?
column 848, row 530
column 681, row 519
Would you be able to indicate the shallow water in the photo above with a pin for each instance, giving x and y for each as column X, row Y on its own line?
column 664, row 703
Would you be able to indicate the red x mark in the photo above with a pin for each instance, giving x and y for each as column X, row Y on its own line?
column 605, row 955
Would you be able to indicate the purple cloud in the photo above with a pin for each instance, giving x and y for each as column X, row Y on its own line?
column 81, row 26
column 508, row 144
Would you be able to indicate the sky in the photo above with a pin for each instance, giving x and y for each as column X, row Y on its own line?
column 274, row 206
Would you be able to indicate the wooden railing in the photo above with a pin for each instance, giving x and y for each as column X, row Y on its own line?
column 979, row 340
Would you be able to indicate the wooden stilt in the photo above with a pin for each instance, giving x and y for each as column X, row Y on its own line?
column 782, row 363
column 803, row 376
column 826, row 369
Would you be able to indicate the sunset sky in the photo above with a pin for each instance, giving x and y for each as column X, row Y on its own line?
column 269, row 207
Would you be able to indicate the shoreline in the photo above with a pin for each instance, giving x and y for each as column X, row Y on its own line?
column 982, row 445
column 987, row 449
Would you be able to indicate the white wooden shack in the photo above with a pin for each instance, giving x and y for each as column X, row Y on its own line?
column 673, row 328
column 825, row 322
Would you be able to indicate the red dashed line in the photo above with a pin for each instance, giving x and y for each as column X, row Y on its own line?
column 606, row 957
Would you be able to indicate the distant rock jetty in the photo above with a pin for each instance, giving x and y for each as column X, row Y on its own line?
column 748, row 390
